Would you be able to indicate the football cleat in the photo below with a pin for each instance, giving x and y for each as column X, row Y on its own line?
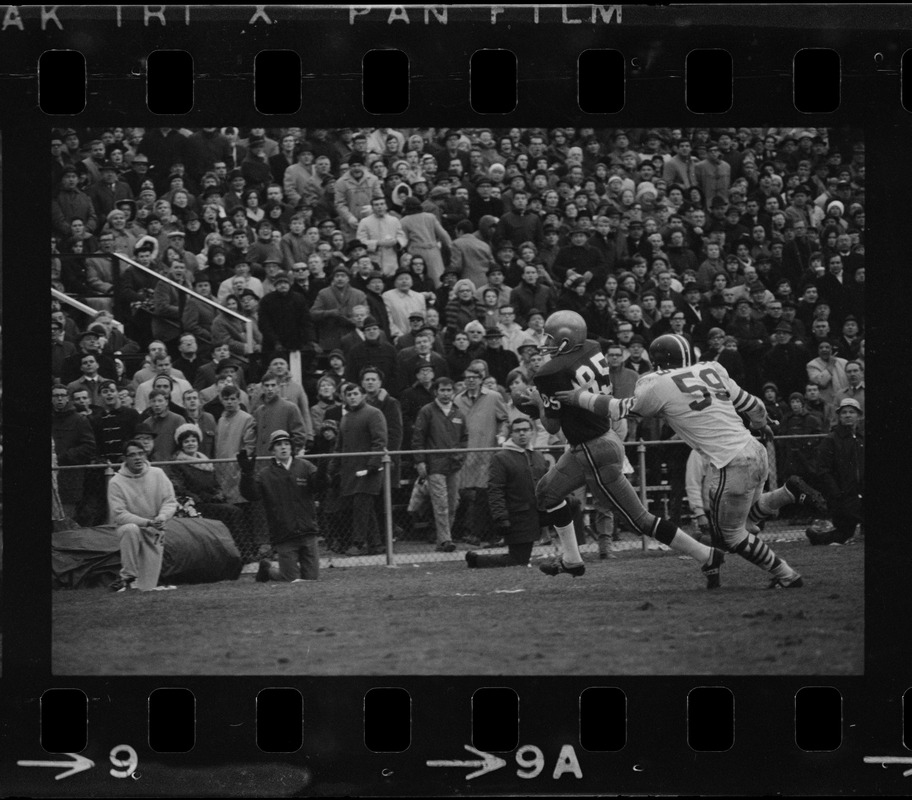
column 713, row 569
column 122, row 585
column 557, row 567
column 805, row 494
column 781, row 583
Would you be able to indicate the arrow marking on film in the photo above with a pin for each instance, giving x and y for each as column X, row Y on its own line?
column 890, row 760
column 488, row 763
column 79, row 764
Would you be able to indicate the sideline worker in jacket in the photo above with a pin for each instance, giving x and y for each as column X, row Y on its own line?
column 286, row 488
column 515, row 471
column 840, row 462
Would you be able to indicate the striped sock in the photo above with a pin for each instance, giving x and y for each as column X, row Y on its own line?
column 757, row 552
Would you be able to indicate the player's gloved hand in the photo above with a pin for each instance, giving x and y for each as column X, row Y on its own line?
column 531, row 395
column 245, row 462
column 766, row 434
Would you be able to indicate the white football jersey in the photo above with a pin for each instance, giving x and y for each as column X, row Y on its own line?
column 701, row 404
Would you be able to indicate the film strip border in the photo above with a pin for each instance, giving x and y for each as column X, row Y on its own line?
column 470, row 735
column 493, row 81
column 472, row 60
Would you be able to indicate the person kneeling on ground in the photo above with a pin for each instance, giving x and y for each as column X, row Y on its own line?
column 141, row 500
column 286, row 487
column 515, row 471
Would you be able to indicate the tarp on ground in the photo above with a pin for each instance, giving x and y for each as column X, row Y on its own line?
column 197, row 550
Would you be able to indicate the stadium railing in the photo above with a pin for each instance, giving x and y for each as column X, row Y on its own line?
column 80, row 500
column 116, row 259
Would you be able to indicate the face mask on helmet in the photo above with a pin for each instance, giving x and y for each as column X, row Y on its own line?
column 565, row 331
column 670, row 351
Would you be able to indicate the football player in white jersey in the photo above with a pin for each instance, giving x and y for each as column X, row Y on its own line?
column 702, row 404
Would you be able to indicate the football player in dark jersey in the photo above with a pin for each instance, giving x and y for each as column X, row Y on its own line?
column 596, row 454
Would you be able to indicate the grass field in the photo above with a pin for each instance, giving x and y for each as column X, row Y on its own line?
column 634, row 614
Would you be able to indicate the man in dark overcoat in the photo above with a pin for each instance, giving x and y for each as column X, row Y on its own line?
column 514, row 473
column 362, row 430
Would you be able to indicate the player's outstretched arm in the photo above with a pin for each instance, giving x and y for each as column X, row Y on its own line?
column 600, row 404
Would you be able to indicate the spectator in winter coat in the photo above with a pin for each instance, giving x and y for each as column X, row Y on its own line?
column 286, row 487
column 827, row 371
column 531, row 293
column 796, row 456
column 500, row 361
column 440, row 426
column 362, row 430
column 518, row 225
column 72, row 203
column 199, row 316
column 486, row 418
column 840, row 464
column 514, row 473
column 383, row 235
column 354, row 192
column 751, row 337
column 786, row 363
column 414, row 398
column 401, row 301
column 235, row 429
column 471, row 255
column 855, row 387
column 373, row 351
column 284, row 318
column 776, row 409
column 74, row 443
column 332, row 310
column 275, row 414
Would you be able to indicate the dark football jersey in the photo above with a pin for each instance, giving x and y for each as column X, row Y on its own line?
column 584, row 367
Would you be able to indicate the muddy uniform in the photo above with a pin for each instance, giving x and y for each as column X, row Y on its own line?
column 702, row 405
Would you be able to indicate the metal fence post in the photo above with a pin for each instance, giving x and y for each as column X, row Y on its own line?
column 388, row 504
column 641, row 464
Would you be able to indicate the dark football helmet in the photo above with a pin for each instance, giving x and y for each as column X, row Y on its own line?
column 565, row 331
column 670, row 351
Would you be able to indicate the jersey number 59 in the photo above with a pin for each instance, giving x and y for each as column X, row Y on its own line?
column 705, row 383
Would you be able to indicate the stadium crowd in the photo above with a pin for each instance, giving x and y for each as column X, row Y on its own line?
column 393, row 259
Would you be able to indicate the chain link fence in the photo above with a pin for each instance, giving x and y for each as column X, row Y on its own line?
column 403, row 512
